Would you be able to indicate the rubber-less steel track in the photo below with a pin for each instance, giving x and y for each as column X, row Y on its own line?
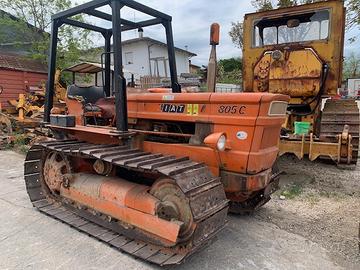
column 204, row 191
column 335, row 115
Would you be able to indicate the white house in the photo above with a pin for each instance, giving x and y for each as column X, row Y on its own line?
column 145, row 56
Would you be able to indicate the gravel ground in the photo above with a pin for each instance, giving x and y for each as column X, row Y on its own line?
column 325, row 208
column 316, row 229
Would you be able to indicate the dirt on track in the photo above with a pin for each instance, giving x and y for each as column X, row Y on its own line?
column 315, row 227
column 322, row 204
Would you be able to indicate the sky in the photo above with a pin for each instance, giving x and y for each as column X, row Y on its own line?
column 191, row 24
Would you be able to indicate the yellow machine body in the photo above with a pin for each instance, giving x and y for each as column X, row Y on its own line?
column 291, row 62
column 298, row 51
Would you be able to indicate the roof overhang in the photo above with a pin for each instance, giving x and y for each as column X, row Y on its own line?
column 89, row 68
column 157, row 42
column 20, row 63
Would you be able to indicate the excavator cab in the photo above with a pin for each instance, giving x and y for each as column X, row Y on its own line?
column 298, row 51
column 295, row 51
column 157, row 181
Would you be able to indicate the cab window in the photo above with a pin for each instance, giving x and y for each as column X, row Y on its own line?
column 296, row 28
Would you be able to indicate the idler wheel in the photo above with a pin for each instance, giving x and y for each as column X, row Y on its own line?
column 174, row 206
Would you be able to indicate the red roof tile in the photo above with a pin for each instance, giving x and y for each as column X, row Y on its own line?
column 21, row 63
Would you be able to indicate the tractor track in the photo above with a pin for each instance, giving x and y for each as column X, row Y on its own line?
column 335, row 115
column 205, row 193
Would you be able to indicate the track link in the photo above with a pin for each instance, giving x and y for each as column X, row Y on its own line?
column 205, row 193
column 335, row 115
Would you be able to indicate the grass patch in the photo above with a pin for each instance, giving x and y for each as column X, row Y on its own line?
column 20, row 140
column 291, row 191
column 312, row 198
column 23, row 149
column 337, row 196
column 19, row 143
column 8, row 146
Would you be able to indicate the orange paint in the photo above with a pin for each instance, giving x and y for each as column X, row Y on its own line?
column 119, row 199
column 252, row 133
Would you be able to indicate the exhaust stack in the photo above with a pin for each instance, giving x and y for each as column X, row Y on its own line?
column 212, row 66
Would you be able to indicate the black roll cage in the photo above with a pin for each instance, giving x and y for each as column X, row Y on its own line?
column 119, row 25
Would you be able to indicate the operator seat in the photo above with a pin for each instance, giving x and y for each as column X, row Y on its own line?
column 89, row 95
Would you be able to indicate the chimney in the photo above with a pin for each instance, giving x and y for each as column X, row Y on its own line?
column 141, row 32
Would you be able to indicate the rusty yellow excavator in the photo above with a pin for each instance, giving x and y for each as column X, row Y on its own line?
column 298, row 51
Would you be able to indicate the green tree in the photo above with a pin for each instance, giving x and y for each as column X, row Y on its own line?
column 13, row 31
column 262, row 5
column 351, row 66
column 231, row 64
column 236, row 34
column 286, row 3
column 229, row 71
column 37, row 13
column 353, row 16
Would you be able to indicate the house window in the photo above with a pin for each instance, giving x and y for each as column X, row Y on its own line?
column 129, row 58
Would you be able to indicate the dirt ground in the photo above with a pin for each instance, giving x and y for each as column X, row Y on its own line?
column 314, row 225
column 322, row 204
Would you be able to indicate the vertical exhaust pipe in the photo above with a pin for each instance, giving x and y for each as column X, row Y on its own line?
column 212, row 66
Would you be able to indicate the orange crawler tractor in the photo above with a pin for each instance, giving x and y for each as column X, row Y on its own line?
column 151, row 174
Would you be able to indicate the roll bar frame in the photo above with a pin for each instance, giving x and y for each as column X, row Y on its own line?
column 119, row 25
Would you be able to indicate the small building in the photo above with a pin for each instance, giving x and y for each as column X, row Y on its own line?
column 353, row 88
column 18, row 72
column 144, row 56
column 194, row 69
column 19, row 75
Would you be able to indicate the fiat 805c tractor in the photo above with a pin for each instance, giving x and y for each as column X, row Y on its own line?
column 151, row 174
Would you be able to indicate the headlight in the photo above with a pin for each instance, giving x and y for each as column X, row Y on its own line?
column 216, row 141
column 221, row 144
column 278, row 108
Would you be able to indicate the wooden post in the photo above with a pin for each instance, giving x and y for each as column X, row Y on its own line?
column 211, row 71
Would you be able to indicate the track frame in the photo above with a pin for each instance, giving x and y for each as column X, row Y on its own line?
column 205, row 194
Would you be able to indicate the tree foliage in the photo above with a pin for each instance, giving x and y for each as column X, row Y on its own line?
column 35, row 12
column 262, row 5
column 236, row 34
column 353, row 13
column 13, row 31
column 231, row 64
column 229, row 71
column 34, row 22
column 351, row 66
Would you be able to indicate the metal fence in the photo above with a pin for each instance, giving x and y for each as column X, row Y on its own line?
column 228, row 88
